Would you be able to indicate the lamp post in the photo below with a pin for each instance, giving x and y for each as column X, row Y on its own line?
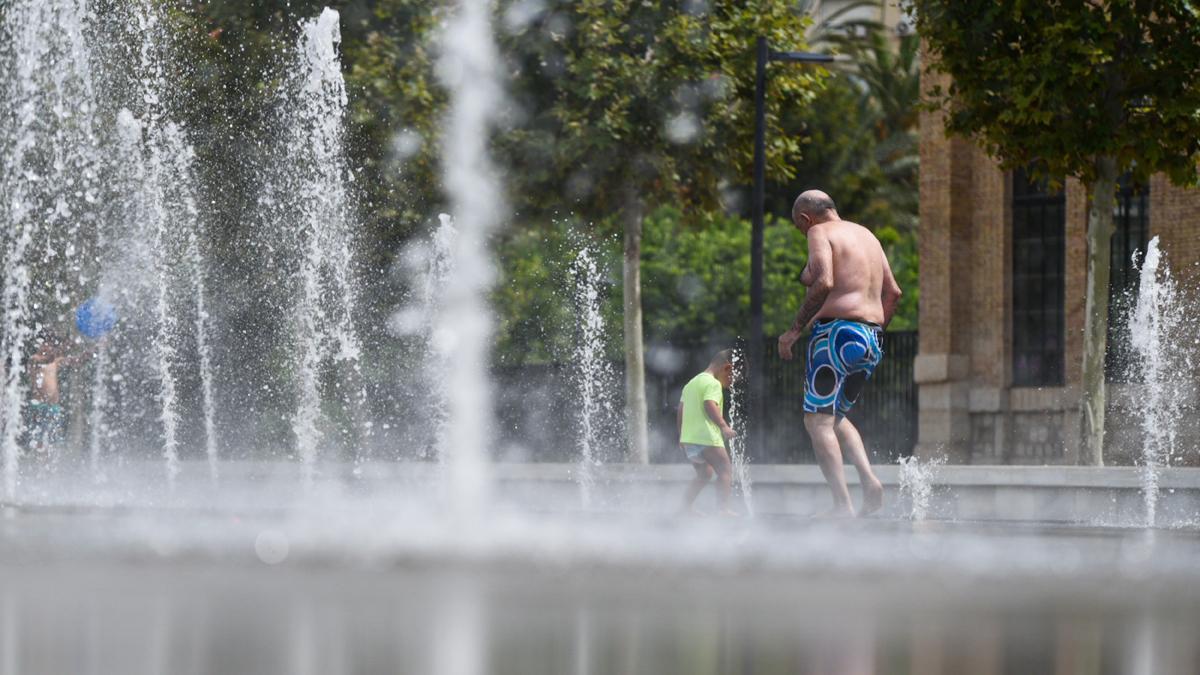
column 757, row 370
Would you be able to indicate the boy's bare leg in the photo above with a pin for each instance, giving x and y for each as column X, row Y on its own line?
column 718, row 459
column 852, row 444
column 704, row 474
column 829, row 456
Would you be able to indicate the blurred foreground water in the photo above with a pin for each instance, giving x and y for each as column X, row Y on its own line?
column 369, row 574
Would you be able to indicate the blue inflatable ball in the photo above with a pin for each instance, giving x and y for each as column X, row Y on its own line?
column 95, row 317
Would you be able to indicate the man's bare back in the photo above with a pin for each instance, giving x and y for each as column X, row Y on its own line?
column 848, row 277
column 859, row 267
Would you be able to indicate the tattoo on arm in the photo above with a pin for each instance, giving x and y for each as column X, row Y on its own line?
column 813, row 301
column 819, row 273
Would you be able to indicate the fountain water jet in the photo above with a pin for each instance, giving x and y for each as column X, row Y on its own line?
column 311, row 209
column 96, row 418
column 469, row 69
column 428, row 265
column 48, row 179
column 159, row 260
column 593, row 372
column 737, row 446
column 1161, row 335
column 438, row 354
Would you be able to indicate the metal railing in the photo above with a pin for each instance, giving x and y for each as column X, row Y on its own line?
column 536, row 407
column 885, row 415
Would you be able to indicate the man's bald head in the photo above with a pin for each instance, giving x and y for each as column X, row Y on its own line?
column 815, row 204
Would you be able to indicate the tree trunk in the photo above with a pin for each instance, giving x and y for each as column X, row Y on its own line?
column 635, row 371
column 1095, row 332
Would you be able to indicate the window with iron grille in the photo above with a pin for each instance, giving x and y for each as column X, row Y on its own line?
column 1039, row 257
column 1131, row 225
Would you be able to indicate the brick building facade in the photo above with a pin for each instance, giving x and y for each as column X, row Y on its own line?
column 1003, row 272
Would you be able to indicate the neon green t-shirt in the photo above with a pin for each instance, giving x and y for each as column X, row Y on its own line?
column 697, row 428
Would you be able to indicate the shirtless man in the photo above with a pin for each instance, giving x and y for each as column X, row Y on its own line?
column 852, row 296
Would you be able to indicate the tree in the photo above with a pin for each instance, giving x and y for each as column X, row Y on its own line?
column 861, row 132
column 696, row 266
column 860, row 136
column 1074, row 89
column 630, row 104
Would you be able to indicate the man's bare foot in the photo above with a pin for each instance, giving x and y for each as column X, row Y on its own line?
column 728, row 513
column 872, row 497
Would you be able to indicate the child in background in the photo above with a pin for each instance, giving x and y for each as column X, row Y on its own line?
column 45, row 421
column 703, row 431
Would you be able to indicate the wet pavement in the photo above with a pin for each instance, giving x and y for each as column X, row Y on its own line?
column 399, row 587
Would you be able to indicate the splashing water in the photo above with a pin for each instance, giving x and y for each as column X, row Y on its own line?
column 96, row 208
column 196, row 270
column 101, row 199
column 430, row 266
column 1161, row 337
column 468, row 68
column 48, row 181
column 439, row 348
column 592, row 371
column 96, row 418
column 737, row 446
column 150, row 211
column 159, row 240
column 916, row 482
column 307, row 198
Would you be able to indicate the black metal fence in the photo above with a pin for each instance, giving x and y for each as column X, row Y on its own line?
column 537, row 408
column 885, row 415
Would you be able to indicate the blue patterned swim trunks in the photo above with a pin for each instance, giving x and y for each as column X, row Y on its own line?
column 842, row 355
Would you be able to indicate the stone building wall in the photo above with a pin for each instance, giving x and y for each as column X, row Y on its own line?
column 969, row 411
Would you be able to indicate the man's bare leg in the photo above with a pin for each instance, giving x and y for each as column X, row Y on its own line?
column 704, row 474
column 829, row 456
column 718, row 459
column 852, row 444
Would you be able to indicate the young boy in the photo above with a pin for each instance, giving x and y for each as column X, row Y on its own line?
column 46, row 423
column 703, row 430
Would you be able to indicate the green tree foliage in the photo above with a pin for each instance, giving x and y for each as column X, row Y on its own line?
column 240, row 47
column 1054, row 86
column 696, row 266
column 860, row 134
column 533, row 299
column 657, row 94
column 395, row 111
column 860, row 145
column 904, row 257
column 1082, row 89
column 596, row 89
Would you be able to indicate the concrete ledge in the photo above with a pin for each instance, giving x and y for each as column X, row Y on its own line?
column 949, row 476
column 1108, row 496
column 1123, row 477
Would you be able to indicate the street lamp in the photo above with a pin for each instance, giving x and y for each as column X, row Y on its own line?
column 756, row 372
